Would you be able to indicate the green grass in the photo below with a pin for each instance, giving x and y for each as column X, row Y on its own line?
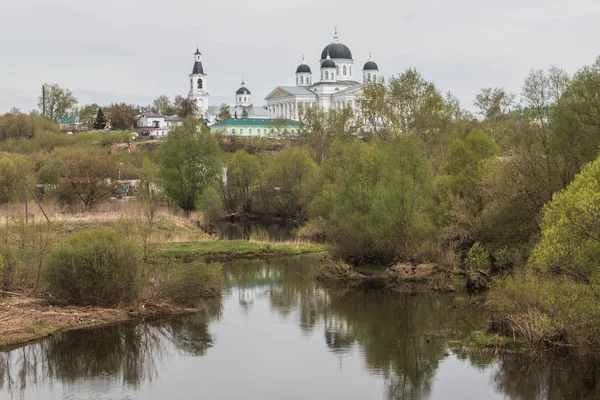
column 484, row 340
column 39, row 329
column 237, row 248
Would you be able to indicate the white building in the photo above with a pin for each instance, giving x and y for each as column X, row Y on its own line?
column 335, row 86
column 155, row 126
column 199, row 84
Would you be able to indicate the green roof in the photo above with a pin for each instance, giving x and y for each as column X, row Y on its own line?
column 253, row 122
column 67, row 120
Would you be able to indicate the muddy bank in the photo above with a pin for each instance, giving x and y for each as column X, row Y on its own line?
column 23, row 319
column 402, row 276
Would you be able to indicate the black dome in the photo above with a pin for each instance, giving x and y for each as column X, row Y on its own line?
column 336, row 50
column 198, row 68
column 328, row 63
column 303, row 68
column 242, row 90
column 370, row 65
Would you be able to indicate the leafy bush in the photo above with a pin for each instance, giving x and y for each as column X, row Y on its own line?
column 94, row 267
column 210, row 204
column 477, row 257
column 184, row 284
column 376, row 200
column 570, row 244
column 546, row 311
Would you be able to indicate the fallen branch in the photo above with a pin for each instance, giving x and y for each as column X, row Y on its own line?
column 11, row 293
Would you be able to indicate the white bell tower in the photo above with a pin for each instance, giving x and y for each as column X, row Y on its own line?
column 198, row 84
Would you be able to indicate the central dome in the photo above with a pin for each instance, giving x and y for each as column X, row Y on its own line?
column 337, row 50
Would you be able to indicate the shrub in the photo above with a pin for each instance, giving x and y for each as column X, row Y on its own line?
column 210, row 204
column 477, row 257
column 546, row 311
column 95, row 267
column 570, row 243
column 184, row 284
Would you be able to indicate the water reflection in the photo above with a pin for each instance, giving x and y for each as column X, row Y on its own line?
column 128, row 352
column 275, row 328
column 389, row 327
column 274, row 230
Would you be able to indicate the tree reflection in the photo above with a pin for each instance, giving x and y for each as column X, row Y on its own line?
column 126, row 352
column 553, row 378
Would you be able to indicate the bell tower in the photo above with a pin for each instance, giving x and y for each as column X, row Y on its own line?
column 198, row 83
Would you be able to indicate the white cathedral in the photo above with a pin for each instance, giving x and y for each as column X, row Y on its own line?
column 334, row 88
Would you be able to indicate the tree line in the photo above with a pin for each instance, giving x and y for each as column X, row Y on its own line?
column 56, row 102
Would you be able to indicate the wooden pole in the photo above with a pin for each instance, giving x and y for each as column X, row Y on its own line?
column 26, row 205
column 37, row 201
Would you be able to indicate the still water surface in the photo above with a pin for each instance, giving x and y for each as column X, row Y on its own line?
column 277, row 335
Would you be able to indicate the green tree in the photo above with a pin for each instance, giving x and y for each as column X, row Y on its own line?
column 293, row 173
column 87, row 177
column 570, row 244
column 49, row 173
column 224, row 113
column 189, row 163
column 162, row 105
column 100, row 122
column 122, row 115
column 185, row 107
column 318, row 128
column 375, row 200
column 56, row 102
column 466, row 163
column 494, row 105
column 243, row 173
column 87, row 114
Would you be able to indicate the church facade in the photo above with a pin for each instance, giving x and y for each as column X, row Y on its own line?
column 335, row 87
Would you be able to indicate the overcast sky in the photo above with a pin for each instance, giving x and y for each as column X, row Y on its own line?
column 134, row 51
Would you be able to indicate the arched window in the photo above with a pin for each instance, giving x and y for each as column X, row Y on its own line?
column 308, row 80
column 191, row 83
column 338, row 69
column 326, row 74
column 199, row 83
column 302, row 80
column 369, row 79
column 233, row 131
column 345, row 70
column 350, row 70
column 244, row 98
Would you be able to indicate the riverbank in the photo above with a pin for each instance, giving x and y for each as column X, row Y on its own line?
column 402, row 276
column 24, row 319
column 225, row 250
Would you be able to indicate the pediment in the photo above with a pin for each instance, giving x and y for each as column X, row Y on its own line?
column 279, row 92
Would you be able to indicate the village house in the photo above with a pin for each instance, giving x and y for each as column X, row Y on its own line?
column 151, row 125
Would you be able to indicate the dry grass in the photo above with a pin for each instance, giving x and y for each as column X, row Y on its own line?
column 168, row 225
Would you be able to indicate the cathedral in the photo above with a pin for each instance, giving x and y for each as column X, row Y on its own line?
column 335, row 88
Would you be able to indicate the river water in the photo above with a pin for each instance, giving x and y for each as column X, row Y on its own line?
column 276, row 334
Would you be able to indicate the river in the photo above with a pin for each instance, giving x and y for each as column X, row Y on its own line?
column 275, row 334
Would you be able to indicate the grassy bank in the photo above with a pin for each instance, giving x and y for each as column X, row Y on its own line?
column 212, row 250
